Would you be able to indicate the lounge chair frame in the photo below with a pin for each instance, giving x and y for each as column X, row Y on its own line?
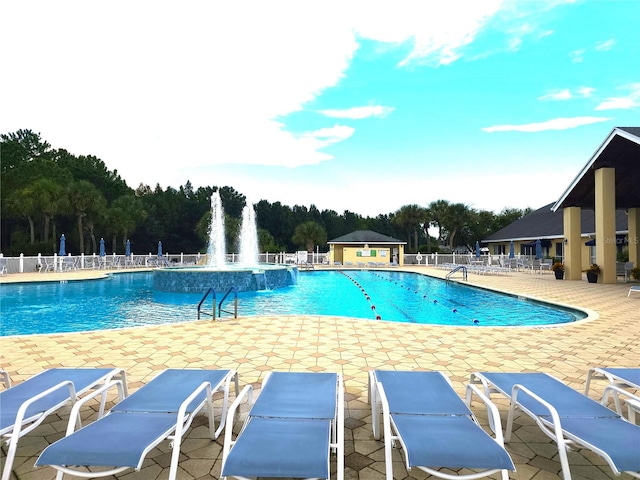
column 174, row 432
column 336, row 440
column 620, row 377
column 380, row 405
column 25, row 422
column 552, row 424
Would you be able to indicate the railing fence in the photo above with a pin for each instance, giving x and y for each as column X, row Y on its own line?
column 56, row 263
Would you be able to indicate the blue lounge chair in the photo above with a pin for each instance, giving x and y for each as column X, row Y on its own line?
column 569, row 417
column 25, row 406
column 621, row 377
column 162, row 409
column 435, row 428
column 634, row 289
column 291, row 429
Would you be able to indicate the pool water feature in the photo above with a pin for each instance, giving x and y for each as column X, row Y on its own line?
column 129, row 300
column 197, row 280
column 246, row 275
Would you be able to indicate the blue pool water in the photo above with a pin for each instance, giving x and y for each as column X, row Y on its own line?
column 128, row 299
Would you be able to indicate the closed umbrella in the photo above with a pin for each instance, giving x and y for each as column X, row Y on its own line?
column 538, row 249
column 127, row 249
column 477, row 249
column 511, row 250
column 160, row 248
column 102, row 252
column 62, row 252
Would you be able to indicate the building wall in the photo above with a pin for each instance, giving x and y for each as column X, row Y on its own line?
column 366, row 253
column 362, row 254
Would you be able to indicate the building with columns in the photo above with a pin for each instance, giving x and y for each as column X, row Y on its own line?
column 609, row 181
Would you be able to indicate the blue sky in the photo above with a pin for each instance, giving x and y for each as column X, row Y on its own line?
column 363, row 106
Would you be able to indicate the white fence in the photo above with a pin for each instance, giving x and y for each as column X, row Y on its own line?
column 55, row 263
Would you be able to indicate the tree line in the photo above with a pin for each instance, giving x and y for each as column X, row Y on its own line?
column 45, row 192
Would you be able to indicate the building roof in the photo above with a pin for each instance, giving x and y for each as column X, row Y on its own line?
column 366, row 236
column 545, row 223
column 620, row 150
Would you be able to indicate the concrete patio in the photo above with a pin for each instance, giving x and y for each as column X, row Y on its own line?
column 255, row 345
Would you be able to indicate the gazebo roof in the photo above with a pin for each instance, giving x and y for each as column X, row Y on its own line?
column 620, row 150
column 365, row 236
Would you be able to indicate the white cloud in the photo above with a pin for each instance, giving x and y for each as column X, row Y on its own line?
column 565, row 94
column 436, row 30
column 187, row 87
column 606, row 45
column 617, row 103
column 327, row 136
column 631, row 100
column 363, row 197
column 545, row 33
column 557, row 95
column 160, row 91
column 586, row 91
column 358, row 113
column 555, row 124
column 577, row 56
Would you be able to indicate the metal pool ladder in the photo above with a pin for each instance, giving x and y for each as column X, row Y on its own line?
column 220, row 310
column 457, row 269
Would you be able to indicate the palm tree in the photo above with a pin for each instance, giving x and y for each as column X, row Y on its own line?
column 50, row 198
column 411, row 218
column 457, row 216
column 123, row 216
column 437, row 213
column 83, row 198
column 309, row 234
column 96, row 215
column 22, row 204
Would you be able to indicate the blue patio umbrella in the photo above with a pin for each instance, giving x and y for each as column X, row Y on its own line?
column 127, row 249
column 62, row 252
column 511, row 250
column 102, row 252
column 538, row 249
column 477, row 249
column 160, row 248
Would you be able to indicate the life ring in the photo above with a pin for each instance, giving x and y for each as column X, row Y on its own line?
column 419, row 257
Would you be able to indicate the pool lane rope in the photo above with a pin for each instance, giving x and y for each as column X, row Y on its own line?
column 435, row 301
column 364, row 292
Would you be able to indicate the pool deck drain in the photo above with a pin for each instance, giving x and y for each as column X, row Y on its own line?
column 255, row 345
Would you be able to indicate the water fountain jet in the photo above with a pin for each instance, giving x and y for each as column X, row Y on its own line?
column 246, row 275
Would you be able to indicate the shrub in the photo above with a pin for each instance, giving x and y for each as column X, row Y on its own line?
column 594, row 268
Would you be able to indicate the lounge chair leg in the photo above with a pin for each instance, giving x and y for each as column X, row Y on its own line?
column 11, row 453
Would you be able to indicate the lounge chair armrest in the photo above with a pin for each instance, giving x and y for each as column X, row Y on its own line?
column 247, row 391
column 74, row 416
column 555, row 418
column 182, row 415
column 611, row 390
column 17, row 429
column 632, row 401
column 494, row 415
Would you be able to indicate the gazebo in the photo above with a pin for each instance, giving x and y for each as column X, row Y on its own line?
column 366, row 246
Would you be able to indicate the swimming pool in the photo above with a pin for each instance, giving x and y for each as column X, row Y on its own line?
column 128, row 300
